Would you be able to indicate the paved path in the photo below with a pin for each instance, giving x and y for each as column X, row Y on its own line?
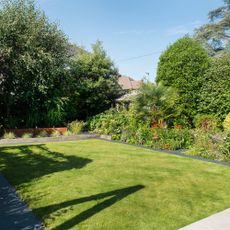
column 83, row 136
column 14, row 213
column 219, row 221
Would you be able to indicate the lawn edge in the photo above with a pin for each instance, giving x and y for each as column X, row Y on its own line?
column 170, row 152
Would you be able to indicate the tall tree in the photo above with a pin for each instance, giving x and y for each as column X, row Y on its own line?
column 183, row 66
column 215, row 35
column 95, row 86
column 33, row 60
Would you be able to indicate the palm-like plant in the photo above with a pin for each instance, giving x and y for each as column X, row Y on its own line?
column 155, row 102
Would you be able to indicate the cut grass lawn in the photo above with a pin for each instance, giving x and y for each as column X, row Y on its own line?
column 94, row 184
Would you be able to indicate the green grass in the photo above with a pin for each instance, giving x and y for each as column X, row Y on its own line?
column 95, row 184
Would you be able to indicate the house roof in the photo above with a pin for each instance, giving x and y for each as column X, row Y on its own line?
column 127, row 83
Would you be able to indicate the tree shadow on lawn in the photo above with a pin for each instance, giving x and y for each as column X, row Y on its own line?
column 34, row 161
column 113, row 197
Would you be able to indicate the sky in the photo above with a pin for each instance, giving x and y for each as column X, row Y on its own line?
column 134, row 32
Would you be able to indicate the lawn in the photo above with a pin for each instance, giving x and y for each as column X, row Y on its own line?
column 94, row 184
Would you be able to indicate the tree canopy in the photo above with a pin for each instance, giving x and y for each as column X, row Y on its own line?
column 45, row 80
column 216, row 34
column 33, row 57
column 94, row 83
column 183, row 66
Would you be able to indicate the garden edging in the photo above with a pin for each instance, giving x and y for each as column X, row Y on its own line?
column 174, row 152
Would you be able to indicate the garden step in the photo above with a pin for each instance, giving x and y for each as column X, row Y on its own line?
column 219, row 221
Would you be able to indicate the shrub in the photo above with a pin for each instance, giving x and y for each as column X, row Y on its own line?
column 203, row 145
column 226, row 123
column 55, row 134
column 110, row 122
column 214, row 147
column 214, row 96
column 224, row 147
column 206, row 122
column 27, row 135
column 126, row 126
column 181, row 122
column 67, row 133
column 9, row 135
column 42, row 134
column 172, row 139
column 75, row 127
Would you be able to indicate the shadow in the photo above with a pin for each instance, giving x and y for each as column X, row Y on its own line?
column 22, row 164
column 113, row 197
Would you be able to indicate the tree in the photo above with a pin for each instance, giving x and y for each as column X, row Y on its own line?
column 155, row 102
column 33, row 60
column 95, row 86
column 183, row 66
column 215, row 93
column 215, row 35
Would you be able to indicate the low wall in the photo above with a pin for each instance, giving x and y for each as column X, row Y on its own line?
column 35, row 131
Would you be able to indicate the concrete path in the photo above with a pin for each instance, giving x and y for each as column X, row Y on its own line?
column 83, row 136
column 219, row 221
column 14, row 213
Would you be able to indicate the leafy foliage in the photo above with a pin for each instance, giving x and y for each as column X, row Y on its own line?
column 44, row 80
column 109, row 122
column 94, row 83
column 206, row 122
column 75, row 127
column 155, row 102
column 27, row 135
column 224, row 147
column 183, row 66
column 125, row 126
column 9, row 135
column 214, row 97
column 215, row 35
column 55, row 134
column 33, row 57
column 212, row 146
column 226, row 123
column 42, row 134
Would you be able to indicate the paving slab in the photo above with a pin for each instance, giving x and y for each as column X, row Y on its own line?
column 14, row 213
column 219, row 221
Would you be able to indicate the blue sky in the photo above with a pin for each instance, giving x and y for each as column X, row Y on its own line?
column 129, row 28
